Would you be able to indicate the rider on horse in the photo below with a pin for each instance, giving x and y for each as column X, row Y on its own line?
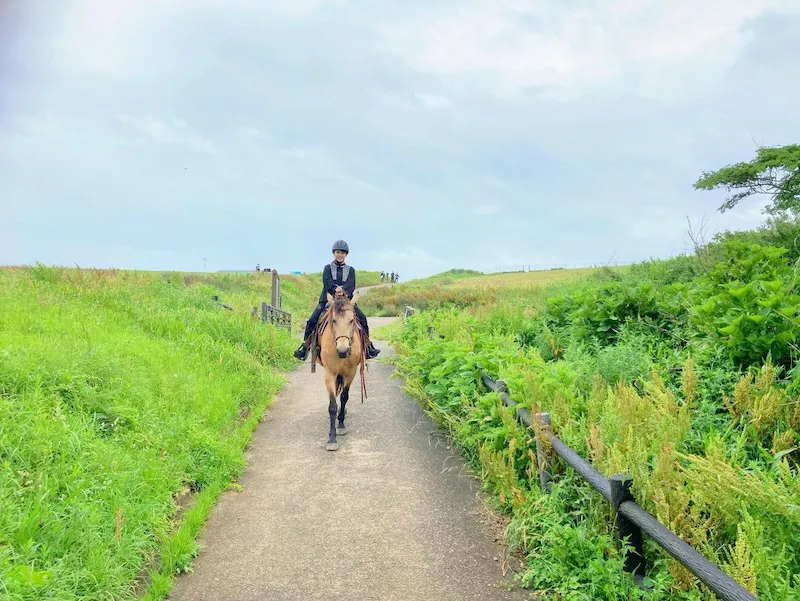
column 337, row 276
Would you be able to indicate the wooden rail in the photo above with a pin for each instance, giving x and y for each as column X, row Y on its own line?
column 215, row 298
column 270, row 314
column 631, row 519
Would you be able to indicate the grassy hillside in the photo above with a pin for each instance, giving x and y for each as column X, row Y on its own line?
column 299, row 294
column 123, row 396
column 465, row 288
column 681, row 373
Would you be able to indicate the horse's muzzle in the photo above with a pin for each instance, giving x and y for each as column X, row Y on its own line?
column 344, row 354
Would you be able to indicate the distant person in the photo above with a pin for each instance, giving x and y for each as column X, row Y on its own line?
column 337, row 276
column 258, row 267
column 396, row 278
column 382, row 275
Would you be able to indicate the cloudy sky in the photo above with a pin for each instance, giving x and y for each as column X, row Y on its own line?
column 183, row 134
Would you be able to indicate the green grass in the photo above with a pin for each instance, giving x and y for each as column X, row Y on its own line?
column 388, row 332
column 453, row 274
column 681, row 373
column 122, row 395
column 368, row 278
column 462, row 288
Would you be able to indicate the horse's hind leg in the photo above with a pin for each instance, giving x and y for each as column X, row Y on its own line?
column 330, row 383
column 342, row 411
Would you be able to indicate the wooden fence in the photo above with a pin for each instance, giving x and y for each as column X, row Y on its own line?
column 215, row 298
column 631, row 519
column 270, row 314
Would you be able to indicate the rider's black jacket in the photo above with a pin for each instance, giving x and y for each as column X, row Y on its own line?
column 331, row 280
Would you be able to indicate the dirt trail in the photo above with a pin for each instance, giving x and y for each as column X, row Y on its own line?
column 391, row 516
column 364, row 290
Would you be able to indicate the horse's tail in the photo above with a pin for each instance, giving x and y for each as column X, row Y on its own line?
column 339, row 383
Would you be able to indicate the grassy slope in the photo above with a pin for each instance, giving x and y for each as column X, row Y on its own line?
column 299, row 294
column 462, row 288
column 120, row 393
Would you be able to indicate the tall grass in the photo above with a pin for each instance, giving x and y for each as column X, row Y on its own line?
column 122, row 395
column 645, row 372
column 465, row 288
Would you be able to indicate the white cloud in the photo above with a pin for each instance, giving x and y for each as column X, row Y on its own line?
column 432, row 101
column 508, row 46
column 409, row 255
column 492, row 182
column 407, row 127
column 486, row 210
column 174, row 131
column 251, row 133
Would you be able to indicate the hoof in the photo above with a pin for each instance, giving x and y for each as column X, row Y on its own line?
column 341, row 431
column 332, row 446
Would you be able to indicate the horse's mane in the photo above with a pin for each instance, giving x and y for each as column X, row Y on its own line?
column 340, row 305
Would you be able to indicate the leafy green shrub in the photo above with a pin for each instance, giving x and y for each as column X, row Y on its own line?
column 702, row 445
column 780, row 231
column 599, row 314
column 627, row 362
column 749, row 303
column 680, row 269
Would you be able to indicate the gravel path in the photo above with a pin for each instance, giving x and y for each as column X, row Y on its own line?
column 391, row 516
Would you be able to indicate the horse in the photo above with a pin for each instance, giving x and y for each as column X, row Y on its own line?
column 341, row 344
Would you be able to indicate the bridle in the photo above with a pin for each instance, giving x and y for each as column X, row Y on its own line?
column 349, row 338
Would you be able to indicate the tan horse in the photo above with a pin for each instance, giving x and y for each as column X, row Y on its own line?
column 341, row 353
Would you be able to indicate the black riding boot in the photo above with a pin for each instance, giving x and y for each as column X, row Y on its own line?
column 372, row 352
column 302, row 352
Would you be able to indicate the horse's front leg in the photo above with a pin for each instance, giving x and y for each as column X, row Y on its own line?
column 342, row 411
column 330, row 384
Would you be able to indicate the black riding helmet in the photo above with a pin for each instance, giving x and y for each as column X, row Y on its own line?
column 340, row 245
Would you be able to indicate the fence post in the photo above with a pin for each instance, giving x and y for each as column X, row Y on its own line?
column 254, row 312
column 542, row 425
column 264, row 312
column 275, row 289
column 634, row 559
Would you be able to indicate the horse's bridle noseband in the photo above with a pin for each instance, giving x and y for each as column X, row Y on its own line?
column 349, row 339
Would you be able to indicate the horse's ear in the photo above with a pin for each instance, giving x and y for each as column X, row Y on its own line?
column 330, row 298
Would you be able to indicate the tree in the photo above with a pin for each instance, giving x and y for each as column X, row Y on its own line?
column 774, row 171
